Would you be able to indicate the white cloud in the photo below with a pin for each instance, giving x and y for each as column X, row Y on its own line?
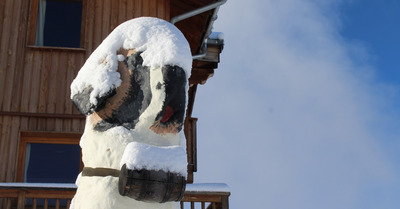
column 286, row 121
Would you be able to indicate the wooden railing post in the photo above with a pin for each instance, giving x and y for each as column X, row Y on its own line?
column 8, row 205
column 225, row 202
column 21, row 200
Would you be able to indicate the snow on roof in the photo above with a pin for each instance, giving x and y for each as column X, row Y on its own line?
column 216, row 35
column 160, row 41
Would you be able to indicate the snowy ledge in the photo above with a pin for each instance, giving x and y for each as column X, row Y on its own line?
column 215, row 188
column 44, row 186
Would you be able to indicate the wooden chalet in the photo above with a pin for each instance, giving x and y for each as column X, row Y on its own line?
column 43, row 44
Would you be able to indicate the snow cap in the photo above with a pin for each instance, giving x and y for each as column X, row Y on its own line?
column 144, row 156
column 160, row 41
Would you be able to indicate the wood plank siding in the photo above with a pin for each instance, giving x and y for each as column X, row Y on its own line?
column 34, row 81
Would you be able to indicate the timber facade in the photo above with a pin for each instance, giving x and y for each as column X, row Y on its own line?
column 36, row 73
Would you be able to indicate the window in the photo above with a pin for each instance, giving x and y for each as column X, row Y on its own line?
column 49, row 157
column 56, row 23
column 51, row 163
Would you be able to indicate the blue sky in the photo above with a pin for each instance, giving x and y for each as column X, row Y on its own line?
column 303, row 111
column 375, row 25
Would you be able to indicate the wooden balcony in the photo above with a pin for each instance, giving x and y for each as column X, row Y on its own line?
column 58, row 196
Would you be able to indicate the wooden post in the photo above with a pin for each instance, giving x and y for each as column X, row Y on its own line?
column 21, row 200
column 8, row 206
column 225, row 202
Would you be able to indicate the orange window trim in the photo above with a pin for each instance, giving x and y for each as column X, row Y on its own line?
column 43, row 138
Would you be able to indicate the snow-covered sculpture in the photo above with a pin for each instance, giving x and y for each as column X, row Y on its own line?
column 133, row 91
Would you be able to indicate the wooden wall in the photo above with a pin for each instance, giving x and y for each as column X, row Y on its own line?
column 34, row 82
column 104, row 15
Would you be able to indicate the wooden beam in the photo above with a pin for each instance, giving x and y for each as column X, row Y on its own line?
column 42, row 115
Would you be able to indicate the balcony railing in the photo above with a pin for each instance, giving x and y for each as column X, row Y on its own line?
column 58, row 196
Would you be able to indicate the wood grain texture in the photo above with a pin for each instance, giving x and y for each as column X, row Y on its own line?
column 5, row 52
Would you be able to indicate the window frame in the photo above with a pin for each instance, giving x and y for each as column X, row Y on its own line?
column 43, row 138
column 31, row 33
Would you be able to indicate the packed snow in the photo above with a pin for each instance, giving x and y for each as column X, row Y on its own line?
column 160, row 41
column 207, row 187
column 216, row 35
column 143, row 156
column 38, row 185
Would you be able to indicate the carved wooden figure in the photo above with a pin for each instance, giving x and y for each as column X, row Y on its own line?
column 133, row 90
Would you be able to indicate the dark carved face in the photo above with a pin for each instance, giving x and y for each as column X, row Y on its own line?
column 170, row 119
column 125, row 105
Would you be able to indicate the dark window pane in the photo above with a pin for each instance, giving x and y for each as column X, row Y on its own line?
column 52, row 163
column 62, row 23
